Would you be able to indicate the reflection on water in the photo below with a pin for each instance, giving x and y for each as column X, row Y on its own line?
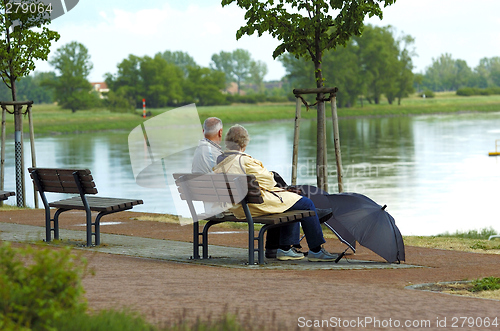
column 433, row 172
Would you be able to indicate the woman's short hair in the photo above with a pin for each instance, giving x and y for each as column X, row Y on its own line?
column 237, row 138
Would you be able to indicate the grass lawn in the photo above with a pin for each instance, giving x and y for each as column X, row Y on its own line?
column 51, row 119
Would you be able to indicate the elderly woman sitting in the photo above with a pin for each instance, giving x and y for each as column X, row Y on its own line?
column 276, row 200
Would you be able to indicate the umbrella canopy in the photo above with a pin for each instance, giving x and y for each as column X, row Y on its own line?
column 369, row 224
column 321, row 199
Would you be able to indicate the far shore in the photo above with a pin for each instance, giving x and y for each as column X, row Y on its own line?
column 53, row 120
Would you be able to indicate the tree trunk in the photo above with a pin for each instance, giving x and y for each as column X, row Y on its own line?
column 321, row 160
column 13, row 88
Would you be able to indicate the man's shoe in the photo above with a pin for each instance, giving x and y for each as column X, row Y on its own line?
column 324, row 214
column 290, row 254
column 271, row 253
column 321, row 256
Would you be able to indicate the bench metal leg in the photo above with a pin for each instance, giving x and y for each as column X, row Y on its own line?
column 251, row 243
column 251, row 234
column 56, row 222
column 196, row 241
column 97, row 227
column 48, row 224
column 260, row 243
column 88, row 215
column 204, row 237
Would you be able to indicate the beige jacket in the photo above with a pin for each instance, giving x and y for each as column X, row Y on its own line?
column 276, row 202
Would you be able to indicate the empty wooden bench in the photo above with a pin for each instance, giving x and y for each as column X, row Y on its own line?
column 4, row 195
column 230, row 188
column 75, row 181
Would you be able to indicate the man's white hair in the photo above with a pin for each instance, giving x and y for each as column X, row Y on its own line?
column 211, row 126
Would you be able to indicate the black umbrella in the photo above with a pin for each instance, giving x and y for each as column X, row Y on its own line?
column 321, row 199
column 369, row 223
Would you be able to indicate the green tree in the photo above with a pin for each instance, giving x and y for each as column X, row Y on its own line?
column 258, row 70
column 343, row 69
column 488, row 72
column 203, row 86
column 417, row 81
column 71, row 88
column 306, row 28
column 241, row 66
column 299, row 73
column 447, row 74
column 236, row 65
column 482, row 74
column 153, row 79
column 32, row 88
column 352, row 68
column 223, row 62
column 463, row 75
column 127, row 82
column 378, row 55
column 180, row 59
column 405, row 76
column 162, row 81
column 24, row 38
column 341, row 66
column 495, row 70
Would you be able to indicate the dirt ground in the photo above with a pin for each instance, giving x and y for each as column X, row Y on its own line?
column 167, row 292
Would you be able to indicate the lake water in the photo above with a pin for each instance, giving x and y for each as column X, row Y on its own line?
column 433, row 172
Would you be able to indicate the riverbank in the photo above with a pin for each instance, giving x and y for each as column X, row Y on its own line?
column 51, row 119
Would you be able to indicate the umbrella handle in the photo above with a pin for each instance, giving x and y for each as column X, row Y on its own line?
column 341, row 255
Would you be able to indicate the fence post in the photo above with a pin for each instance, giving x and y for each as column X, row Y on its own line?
column 2, row 152
column 336, row 141
column 33, row 155
column 19, row 158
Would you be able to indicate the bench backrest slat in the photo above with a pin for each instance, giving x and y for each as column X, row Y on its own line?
column 4, row 195
column 218, row 187
column 62, row 180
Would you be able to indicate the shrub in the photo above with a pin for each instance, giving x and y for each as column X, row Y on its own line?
column 118, row 102
column 471, row 234
column 427, row 94
column 105, row 320
column 466, row 91
column 485, row 284
column 37, row 286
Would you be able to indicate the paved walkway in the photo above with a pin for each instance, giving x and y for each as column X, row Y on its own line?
column 178, row 251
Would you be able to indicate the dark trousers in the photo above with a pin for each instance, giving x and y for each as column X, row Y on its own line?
column 273, row 238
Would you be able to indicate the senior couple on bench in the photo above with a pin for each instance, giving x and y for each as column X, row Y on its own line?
column 281, row 242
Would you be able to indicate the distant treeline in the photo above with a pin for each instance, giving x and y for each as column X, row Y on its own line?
column 369, row 68
column 448, row 74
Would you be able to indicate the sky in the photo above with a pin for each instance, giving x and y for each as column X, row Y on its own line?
column 113, row 29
